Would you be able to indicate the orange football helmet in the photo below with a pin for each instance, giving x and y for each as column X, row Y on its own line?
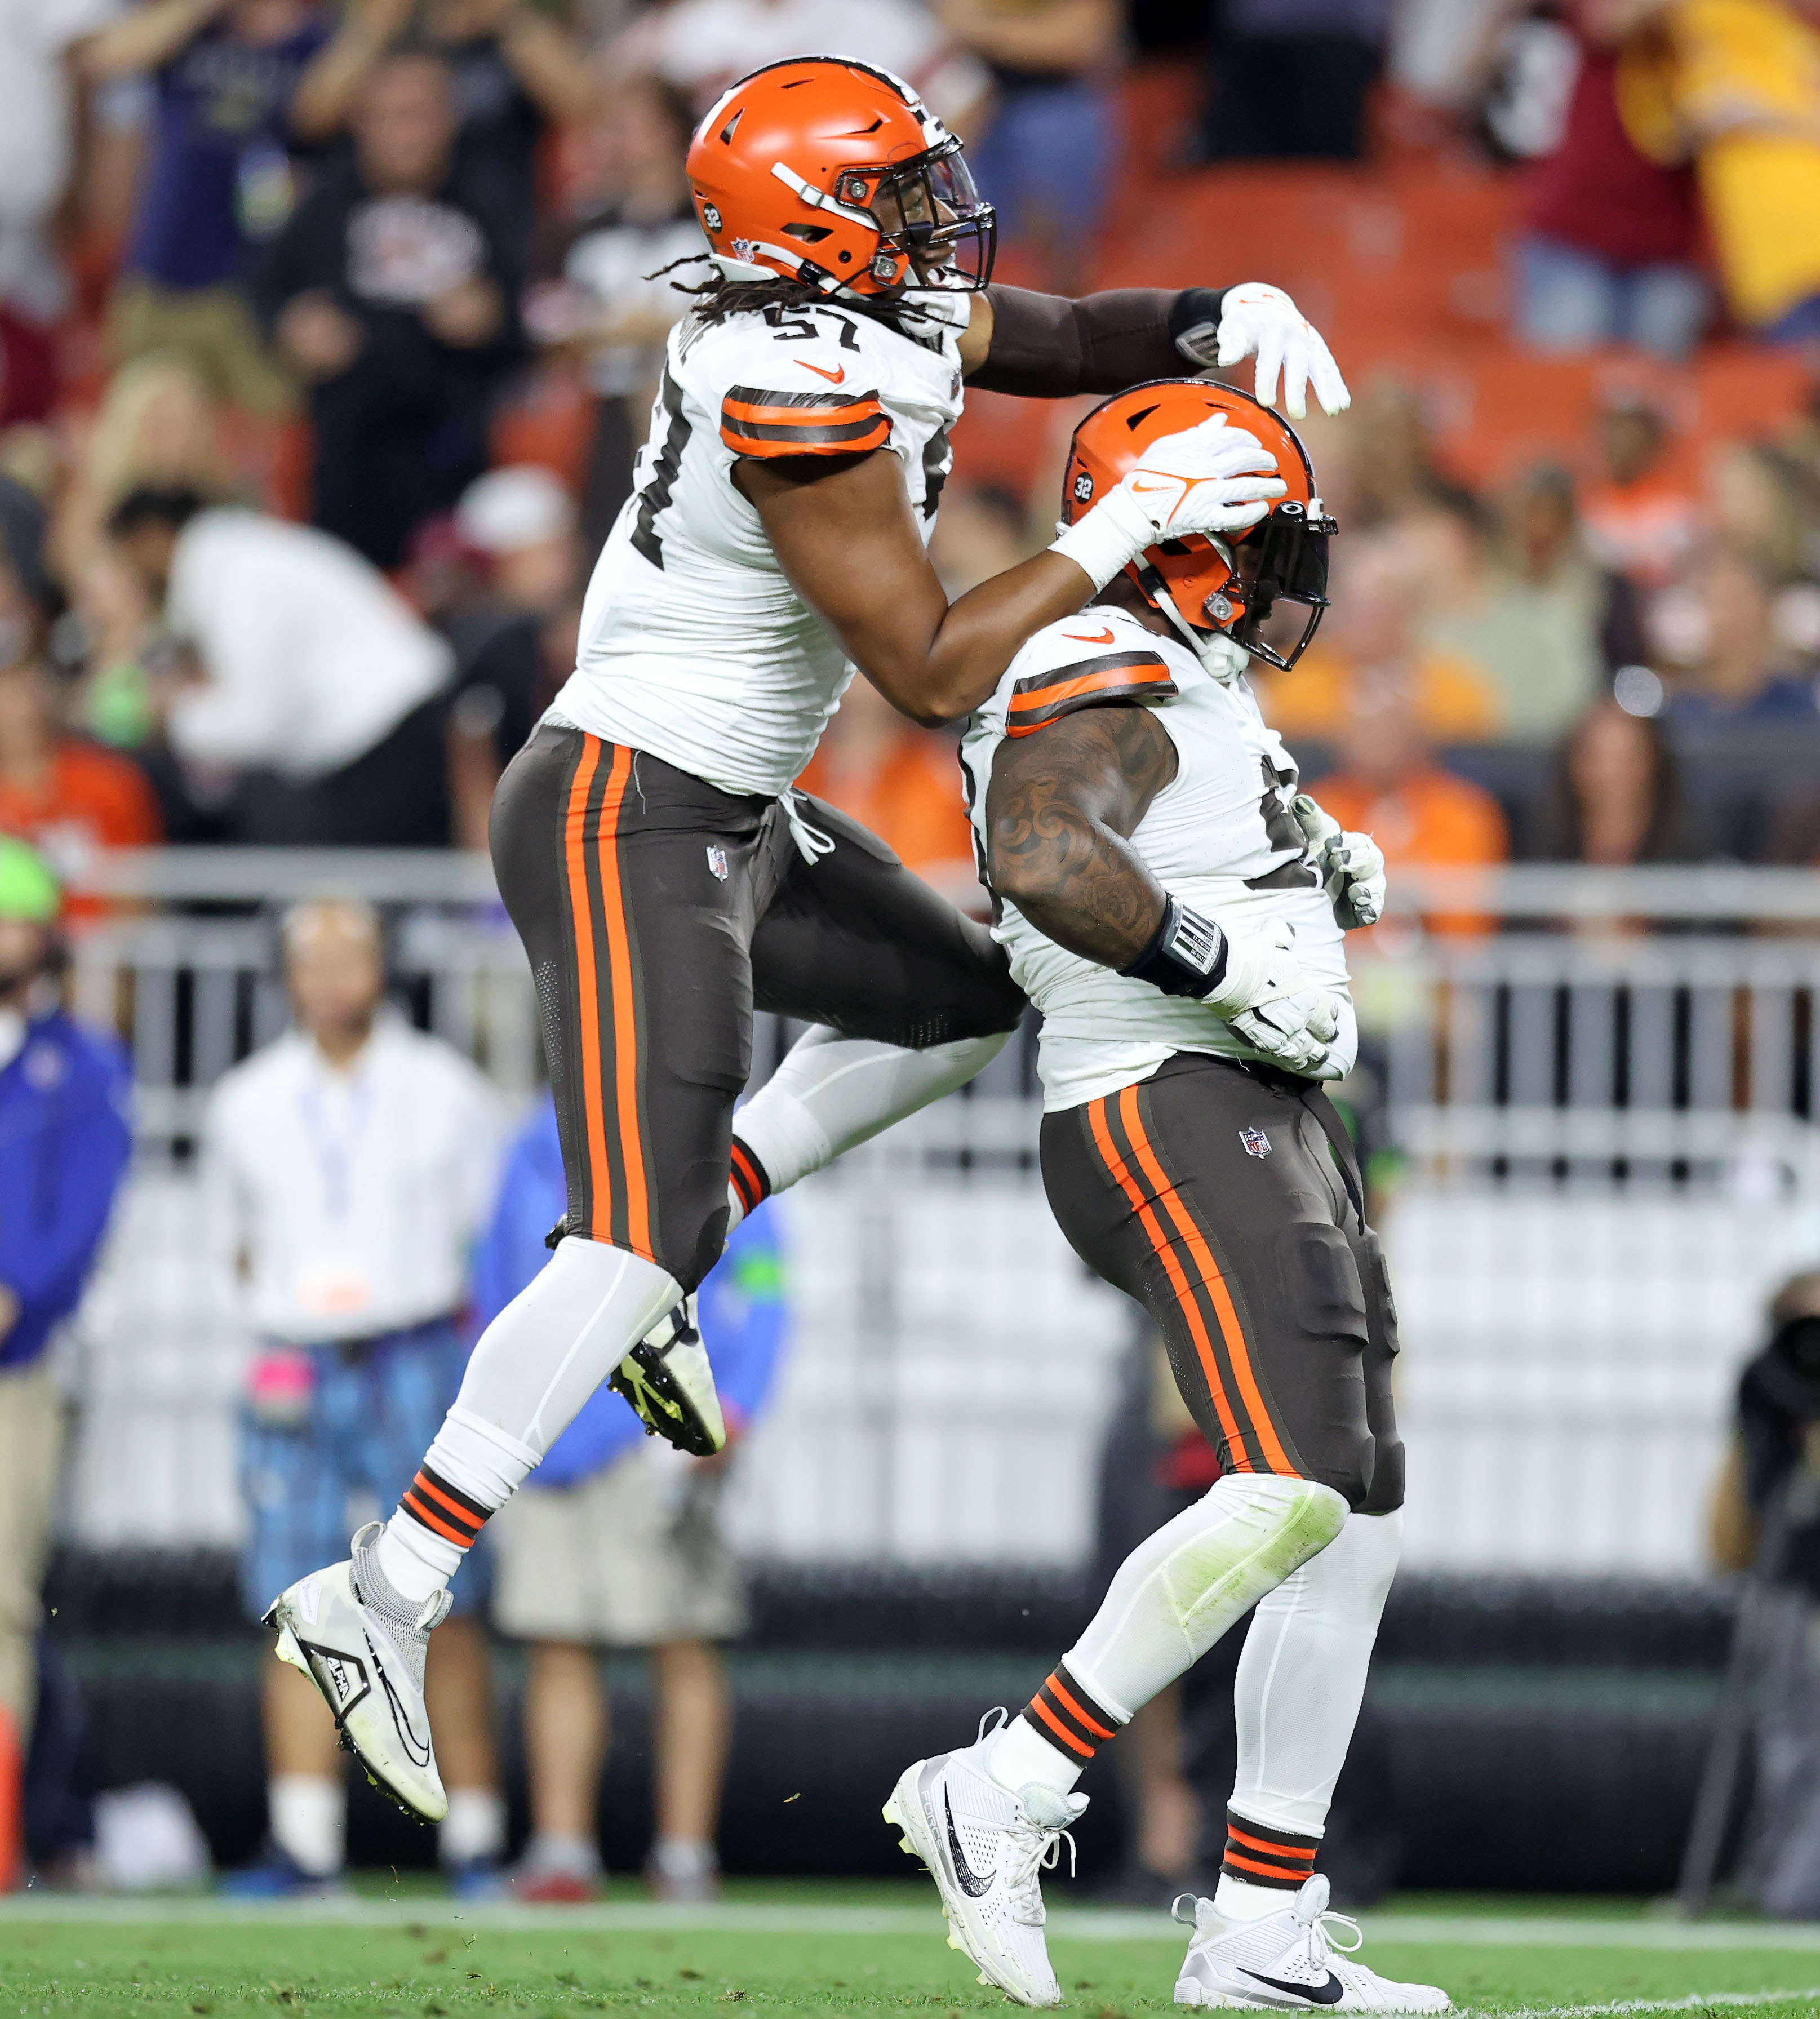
column 832, row 173
column 1210, row 584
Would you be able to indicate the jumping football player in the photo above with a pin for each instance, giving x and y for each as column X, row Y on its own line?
column 1176, row 911
column 664, row 876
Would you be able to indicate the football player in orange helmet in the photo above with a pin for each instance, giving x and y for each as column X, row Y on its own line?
column 663, row 872
column 1182, row 933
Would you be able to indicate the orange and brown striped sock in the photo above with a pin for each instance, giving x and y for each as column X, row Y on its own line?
column 750, row 1182
column 1259, row 1854
column 451, row 1515
column 1064, row 1714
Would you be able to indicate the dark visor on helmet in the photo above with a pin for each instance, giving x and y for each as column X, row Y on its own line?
column 929, row 209
column 1284, row 561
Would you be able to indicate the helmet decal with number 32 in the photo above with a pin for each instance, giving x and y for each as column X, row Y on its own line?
column 1241, row 584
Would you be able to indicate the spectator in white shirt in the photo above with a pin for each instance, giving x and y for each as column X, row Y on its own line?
column 308, row 677
column 351, row 1164
column 702, row 46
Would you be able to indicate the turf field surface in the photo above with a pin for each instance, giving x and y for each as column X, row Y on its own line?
column 820, row 1952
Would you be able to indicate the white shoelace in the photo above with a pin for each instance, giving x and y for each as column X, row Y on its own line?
column 1034, row 1850
column 1322, row 1940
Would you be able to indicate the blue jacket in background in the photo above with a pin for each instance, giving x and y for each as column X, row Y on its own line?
column 64, row 1142
column 741, row 1304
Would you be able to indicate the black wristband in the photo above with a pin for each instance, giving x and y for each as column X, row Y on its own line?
column 1186, row 956
column 1195, row 320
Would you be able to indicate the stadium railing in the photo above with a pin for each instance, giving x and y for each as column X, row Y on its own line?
column 1590, row 1122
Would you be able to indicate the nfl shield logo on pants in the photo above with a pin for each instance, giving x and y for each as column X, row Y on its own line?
column 1256, row 1142
column 717, row 860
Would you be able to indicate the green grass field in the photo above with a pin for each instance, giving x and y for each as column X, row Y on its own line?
column 823, row 1950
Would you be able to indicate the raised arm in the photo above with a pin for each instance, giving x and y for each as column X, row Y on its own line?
column 550, row 64
column 1061, row 806
column 326, row 92
column 1048, row 347
column 146, row 38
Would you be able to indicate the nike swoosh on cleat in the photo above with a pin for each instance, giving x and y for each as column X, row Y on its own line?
column 1083, row 638
column 1329, row 1993
column 416, row 1750
column 836, row 377
column 968, row 1881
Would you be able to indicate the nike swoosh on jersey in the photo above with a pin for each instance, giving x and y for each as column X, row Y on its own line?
column 1091, row 638
column 1329, row 1993
column 968, row 1881
column 836, row 377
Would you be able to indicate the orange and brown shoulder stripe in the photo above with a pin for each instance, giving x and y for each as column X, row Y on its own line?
column 1039, row 699
column 757, row 422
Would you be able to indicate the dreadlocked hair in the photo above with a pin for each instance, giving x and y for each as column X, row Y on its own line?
column 716, row 297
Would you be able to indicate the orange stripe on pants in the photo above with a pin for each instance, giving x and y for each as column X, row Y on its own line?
column 625, row 1012
column 1234, row 1332
column 1185, row 1294
column 575, row 845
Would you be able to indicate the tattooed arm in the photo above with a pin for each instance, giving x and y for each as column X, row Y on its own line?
column 1060, row 808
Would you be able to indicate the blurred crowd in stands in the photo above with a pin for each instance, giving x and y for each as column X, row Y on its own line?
column 328, row 334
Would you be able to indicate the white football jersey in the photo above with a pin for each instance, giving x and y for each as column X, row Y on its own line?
column 694, row 646
column 1219, row 836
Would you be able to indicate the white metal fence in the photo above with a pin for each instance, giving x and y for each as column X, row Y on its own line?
column 1604, row 1121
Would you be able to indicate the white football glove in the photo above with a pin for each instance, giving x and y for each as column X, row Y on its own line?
column 1255, row 318
column 1273, row 1005
column 1350, row 866
column 1210, row 478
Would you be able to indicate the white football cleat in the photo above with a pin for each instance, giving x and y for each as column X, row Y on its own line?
column 667, row 1379
column 986, row 1851
column 1288, row 1963
column 363, row 1647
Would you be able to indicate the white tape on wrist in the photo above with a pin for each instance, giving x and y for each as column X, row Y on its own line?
column 1107, row 539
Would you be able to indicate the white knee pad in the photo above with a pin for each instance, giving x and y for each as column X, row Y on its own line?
column 1181, row 1589
column 1302, row 1676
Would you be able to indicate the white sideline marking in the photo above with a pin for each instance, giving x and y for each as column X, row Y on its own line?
column 1696, row 2001
column 760, row 1918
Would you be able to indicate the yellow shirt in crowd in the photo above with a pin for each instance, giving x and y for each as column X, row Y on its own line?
column 1739, row 82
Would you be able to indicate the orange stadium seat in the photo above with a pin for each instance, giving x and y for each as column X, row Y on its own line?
column 1403, row 267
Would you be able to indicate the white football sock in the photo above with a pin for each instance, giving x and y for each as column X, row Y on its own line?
column 833, row 1093
column 308, row 1818
column 1181, row 1589
column 1301, row 1679
column 1020, row 1754
column 1302, row 1675
column 475, row 1826
column 1169, row 1601
column 1238, row 1899
column 532, row 1370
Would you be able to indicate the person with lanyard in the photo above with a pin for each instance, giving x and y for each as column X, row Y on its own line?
column 352, row 1163
column 63, row 1147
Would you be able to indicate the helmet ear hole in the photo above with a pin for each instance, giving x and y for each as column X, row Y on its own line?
column 810, row 234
